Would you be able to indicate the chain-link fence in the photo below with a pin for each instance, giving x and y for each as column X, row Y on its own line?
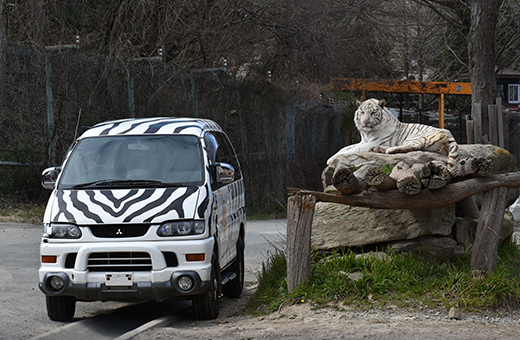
column 282, row 138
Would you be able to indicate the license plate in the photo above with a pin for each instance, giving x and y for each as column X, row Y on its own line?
column 118, row 279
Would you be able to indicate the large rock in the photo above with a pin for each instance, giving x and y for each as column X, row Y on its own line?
column 438, row 248
column 465, row 230
column 338, row 225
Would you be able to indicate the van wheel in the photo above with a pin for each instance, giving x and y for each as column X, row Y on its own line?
column 60, row 308
column 205, row 306
column 234, row 288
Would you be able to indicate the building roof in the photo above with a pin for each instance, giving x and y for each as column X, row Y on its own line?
column 500, row 74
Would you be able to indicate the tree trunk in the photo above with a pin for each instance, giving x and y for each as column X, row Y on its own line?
column 481, row 51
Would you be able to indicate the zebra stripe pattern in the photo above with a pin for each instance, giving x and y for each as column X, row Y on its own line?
column 128, row 205
column 153, row 126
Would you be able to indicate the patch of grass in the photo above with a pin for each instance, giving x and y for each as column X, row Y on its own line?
column 27, row 213
column 387, row 168
column 400, row 279
column 268, row 216
column 280, row 212
column 272, row 286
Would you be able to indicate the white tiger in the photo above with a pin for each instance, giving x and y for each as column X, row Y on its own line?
column 382, row 132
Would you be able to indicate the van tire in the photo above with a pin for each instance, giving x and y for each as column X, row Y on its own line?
column 234, row 288
column 60, row 308
column 205, row 305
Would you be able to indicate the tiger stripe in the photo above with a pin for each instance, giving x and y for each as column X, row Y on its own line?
column 381, row 131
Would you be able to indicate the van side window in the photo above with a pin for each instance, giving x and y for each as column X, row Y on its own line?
column 219, row 149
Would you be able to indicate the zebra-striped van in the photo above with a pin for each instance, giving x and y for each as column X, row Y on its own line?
column 144, row 209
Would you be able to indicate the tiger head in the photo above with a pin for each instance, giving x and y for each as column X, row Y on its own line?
column 371, row 115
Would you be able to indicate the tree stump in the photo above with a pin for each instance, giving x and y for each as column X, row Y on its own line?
column 300, row 212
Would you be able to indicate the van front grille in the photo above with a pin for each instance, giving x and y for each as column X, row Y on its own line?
column 119, row 230
column 119, row 262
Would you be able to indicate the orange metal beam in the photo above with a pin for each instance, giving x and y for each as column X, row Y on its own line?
column 400, row 86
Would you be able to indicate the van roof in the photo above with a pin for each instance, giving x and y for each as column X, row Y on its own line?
column 155, row 125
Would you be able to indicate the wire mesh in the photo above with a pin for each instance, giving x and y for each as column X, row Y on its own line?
column 51, row 95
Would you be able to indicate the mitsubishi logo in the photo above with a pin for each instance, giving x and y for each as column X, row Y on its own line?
column 119, row 232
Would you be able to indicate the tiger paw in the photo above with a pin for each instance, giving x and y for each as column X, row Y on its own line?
column 378, row 149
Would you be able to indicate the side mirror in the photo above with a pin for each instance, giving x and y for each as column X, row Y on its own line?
column 225, row 173
column 49, row 177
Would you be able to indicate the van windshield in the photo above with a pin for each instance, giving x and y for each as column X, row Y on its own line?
column 122, row 161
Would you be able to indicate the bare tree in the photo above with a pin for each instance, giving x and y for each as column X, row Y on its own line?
column 300, row 39
column 481, row 50
column 480, row 19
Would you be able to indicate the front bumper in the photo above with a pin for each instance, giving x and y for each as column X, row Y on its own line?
column 137, row 292
column 157, row 283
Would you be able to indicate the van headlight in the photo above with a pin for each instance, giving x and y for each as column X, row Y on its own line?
column 182, row 228
column 53, row 230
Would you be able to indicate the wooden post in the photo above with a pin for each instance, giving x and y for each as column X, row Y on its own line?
column 484, row 257
column 470, row 131
column 441, row 111
column 300, row 211
column 493, row 128
column 500, row 122
column 476, row 116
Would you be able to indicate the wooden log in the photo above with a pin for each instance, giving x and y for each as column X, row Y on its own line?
column 376, row 177
column 344, row 180
column 467, row 207
column 362, row 176
column 471, row 167
column 407, row 182
column 425, row 199
column 326, row 176
column 435, row 175
column 484, row 256
column 300, row 211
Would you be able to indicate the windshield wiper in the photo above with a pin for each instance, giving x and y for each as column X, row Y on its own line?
column 100, row 182
column 128, row 181
column 116, row 182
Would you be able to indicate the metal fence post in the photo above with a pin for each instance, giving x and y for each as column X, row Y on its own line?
column 50, row 111
column 195, row 97
column 131, row 102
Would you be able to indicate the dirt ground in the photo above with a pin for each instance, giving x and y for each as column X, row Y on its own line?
column 302, row 321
